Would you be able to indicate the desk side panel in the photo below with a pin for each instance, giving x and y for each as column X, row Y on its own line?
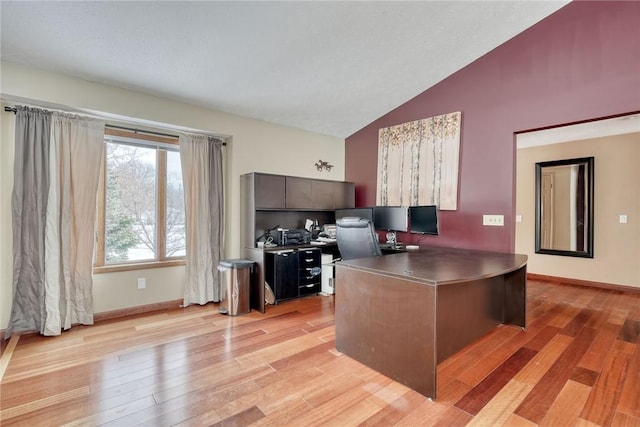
column 467, row 311
column 515, row 303
column 256, row 288
column 387, row 324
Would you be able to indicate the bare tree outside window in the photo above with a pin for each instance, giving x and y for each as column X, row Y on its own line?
column 175, row 218
column 141, row 215
column 131, row 204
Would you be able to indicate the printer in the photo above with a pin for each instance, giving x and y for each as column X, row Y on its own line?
column 286, row 237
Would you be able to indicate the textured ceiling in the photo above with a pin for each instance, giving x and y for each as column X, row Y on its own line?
column 327, row 67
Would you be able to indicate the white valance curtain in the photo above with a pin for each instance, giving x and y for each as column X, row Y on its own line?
column 201, row 159
column 56, row 169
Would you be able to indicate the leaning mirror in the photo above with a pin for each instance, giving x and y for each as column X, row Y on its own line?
column 564, row 207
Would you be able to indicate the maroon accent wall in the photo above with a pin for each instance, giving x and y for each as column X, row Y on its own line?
column 580, row 63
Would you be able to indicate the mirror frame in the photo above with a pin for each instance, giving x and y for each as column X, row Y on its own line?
column 588, row 252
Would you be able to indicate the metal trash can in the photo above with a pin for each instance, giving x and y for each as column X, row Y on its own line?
column 235, row 279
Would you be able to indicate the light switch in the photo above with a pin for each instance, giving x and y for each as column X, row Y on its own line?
column 623, row 219
column 518, row 218
column 493, row 220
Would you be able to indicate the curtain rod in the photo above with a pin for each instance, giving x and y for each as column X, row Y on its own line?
column 134, row 130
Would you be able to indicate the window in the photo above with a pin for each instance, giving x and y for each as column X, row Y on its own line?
column 141, row 218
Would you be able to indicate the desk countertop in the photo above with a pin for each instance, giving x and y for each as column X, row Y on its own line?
column 439, row 266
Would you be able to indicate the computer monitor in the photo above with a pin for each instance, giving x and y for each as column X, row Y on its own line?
column 390, row 218
column 355, row 212
column 423, row 219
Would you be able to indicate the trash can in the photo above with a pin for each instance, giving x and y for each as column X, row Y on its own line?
column 235, row 279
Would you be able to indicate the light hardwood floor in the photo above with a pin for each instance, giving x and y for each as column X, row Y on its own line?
column 577, row 363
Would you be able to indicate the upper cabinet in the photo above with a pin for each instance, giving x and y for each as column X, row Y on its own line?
column 269, row 191
column 305, row 193
column 265, row 191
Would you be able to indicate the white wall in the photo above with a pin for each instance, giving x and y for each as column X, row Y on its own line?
column 616, row 191
column 253, row 146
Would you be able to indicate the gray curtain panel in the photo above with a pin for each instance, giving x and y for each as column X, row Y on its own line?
column 56, row 169
column 201, row 159
column 29, row 206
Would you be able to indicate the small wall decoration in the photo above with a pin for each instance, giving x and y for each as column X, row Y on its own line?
column 322, row 165
column 418, row 163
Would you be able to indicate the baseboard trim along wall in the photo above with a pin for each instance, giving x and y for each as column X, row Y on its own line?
column 140, row 309
column 587, row 283
column 108, row 315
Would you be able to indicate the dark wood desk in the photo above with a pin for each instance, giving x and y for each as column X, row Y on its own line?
column 402, row 314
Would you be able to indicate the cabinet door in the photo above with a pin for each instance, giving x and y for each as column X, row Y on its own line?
column 298, row 193
column 284, row 274
column 344, row 195
column 269, row 191
column 322, row 194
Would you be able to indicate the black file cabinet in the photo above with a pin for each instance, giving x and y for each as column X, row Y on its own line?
column 281, row 273
column 309, row 277
column 293, row 273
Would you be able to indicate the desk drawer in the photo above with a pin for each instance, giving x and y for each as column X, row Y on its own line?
column 309, row 257
column 311, row 288
column 309, row 275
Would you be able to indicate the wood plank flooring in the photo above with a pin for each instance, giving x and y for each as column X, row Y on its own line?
column 576, row 364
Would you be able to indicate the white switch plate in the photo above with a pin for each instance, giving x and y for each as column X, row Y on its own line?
column 142, row 283
column 623, row 219
column 493, row 220
column 518, row 218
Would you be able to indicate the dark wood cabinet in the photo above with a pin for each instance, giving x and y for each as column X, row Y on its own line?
column 269, row 191
column 322, row 194
column 298, row 193
column 269, row 201
column 344, row 195
column 305, row 193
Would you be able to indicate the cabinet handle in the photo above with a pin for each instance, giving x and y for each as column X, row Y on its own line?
column 308, row 259
column 308, row 286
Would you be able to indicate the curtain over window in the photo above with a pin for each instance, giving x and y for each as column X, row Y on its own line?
column 56, row 170
column 201, row 159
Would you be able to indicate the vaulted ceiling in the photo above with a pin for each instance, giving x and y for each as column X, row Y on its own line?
column 323, row 66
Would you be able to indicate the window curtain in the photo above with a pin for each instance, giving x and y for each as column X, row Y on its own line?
column 56, row 170
column 201, row 160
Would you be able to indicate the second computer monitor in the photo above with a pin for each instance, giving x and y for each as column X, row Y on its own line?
column 391, row 218
column 423, row 219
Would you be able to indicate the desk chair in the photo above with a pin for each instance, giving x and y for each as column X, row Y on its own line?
column 356, row 238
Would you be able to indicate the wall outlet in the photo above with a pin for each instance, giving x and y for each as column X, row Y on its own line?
column 142, row 282
column 493, row 220
column 623, row 219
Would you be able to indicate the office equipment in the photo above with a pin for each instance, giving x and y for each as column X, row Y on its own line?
column 390, row 218
column 423, row 219
column 356, row 238
column 427, row 305
column 286, row 237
